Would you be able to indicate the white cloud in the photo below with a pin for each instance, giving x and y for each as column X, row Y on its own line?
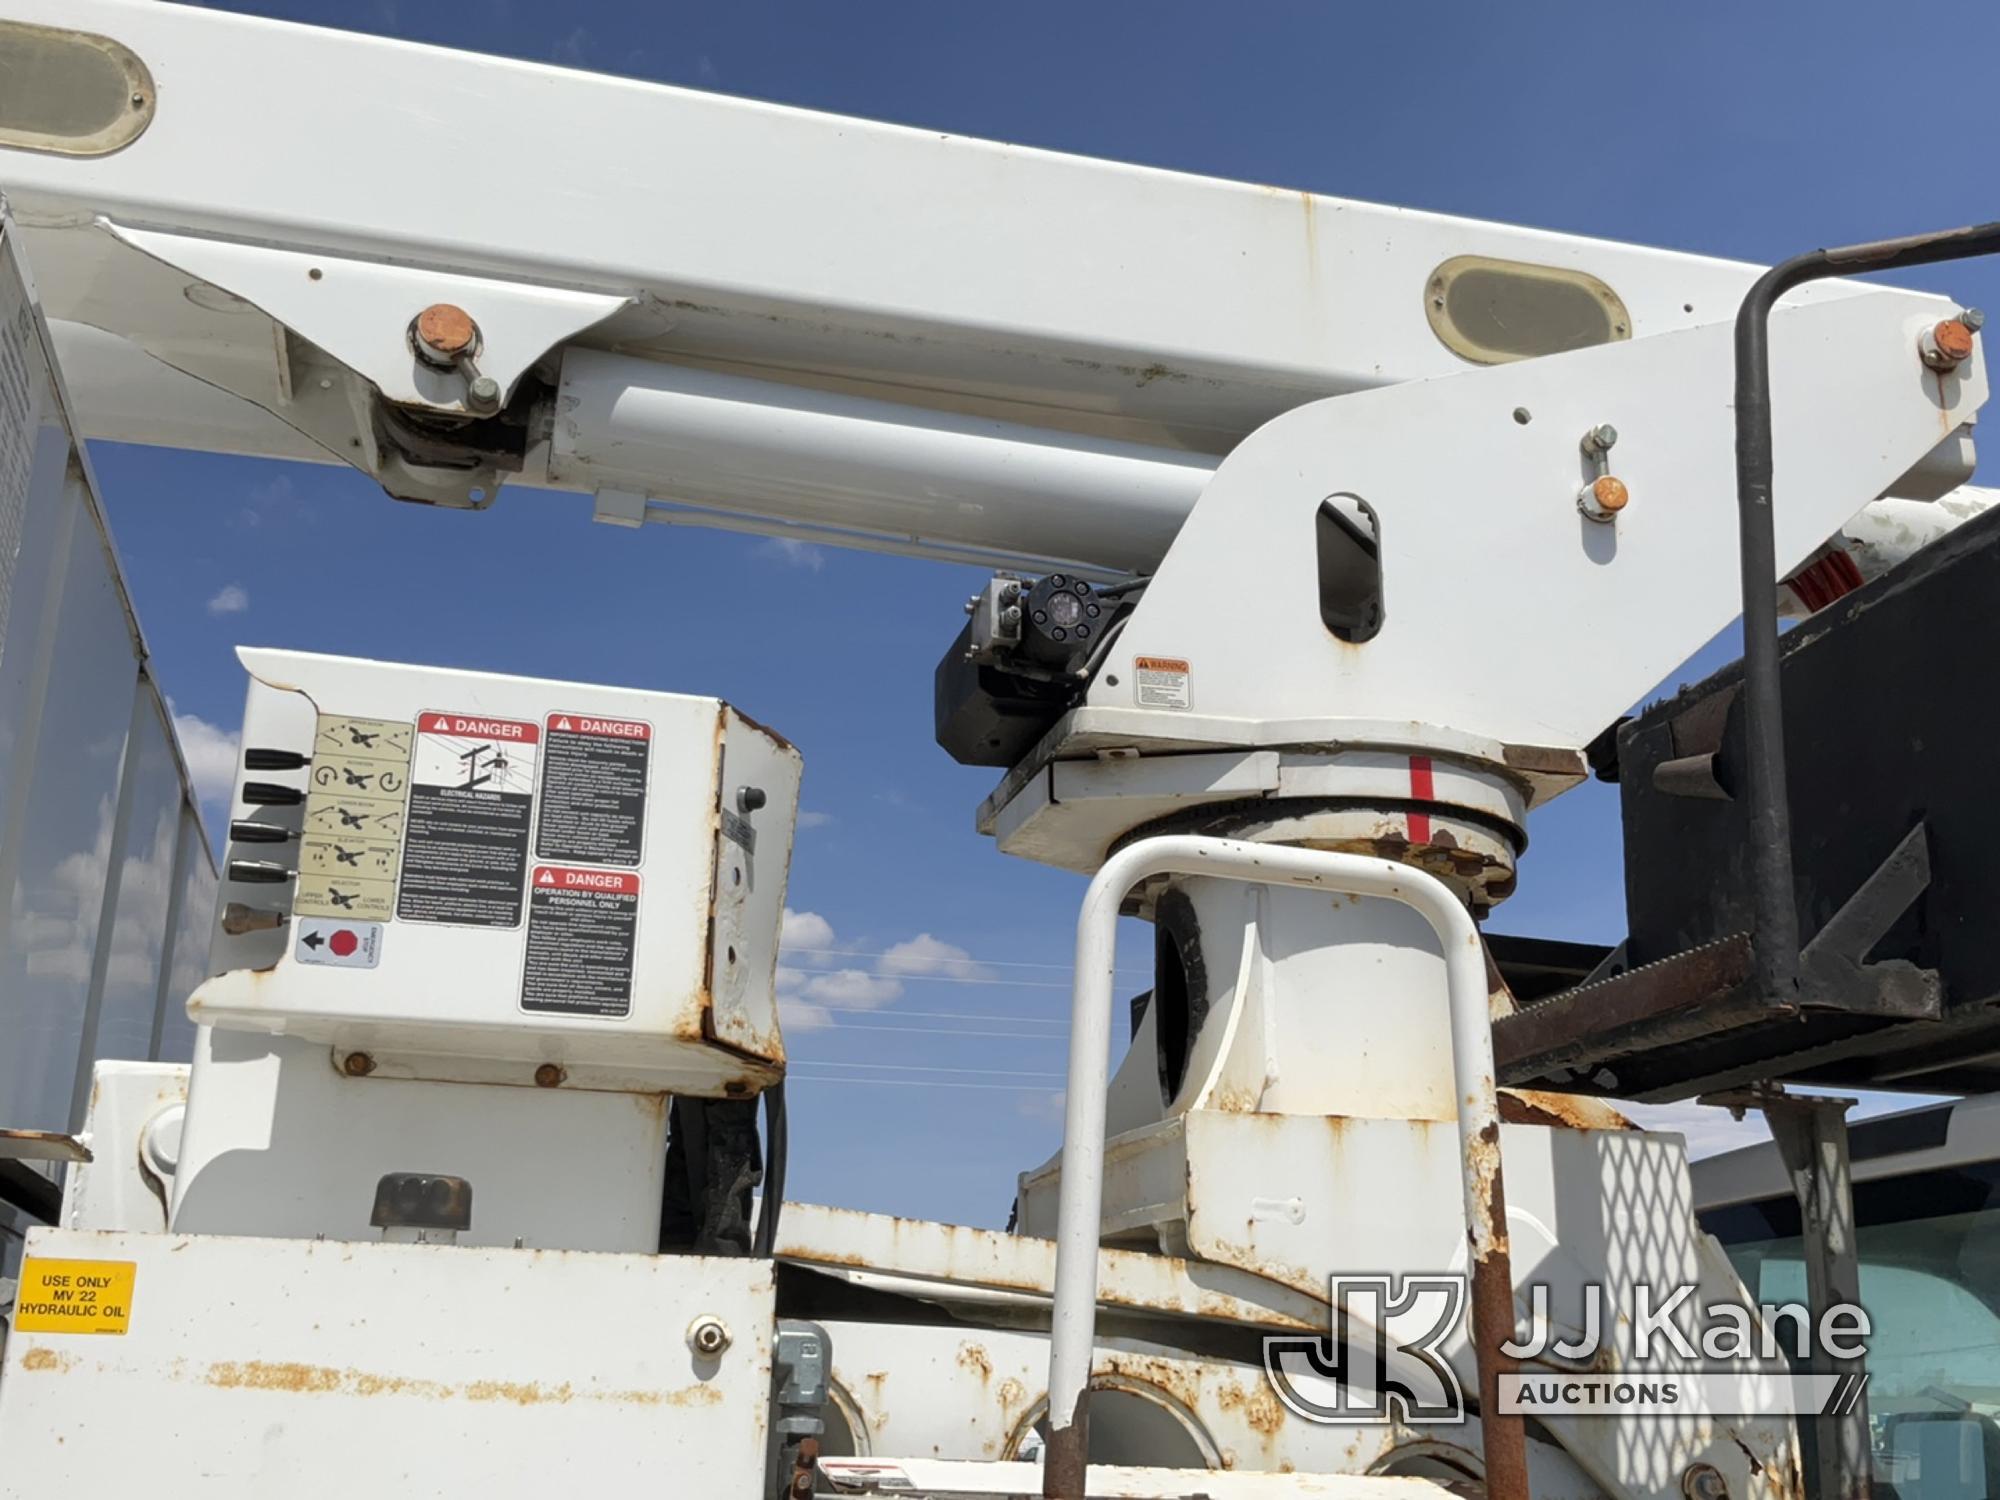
column 802, row 1015
column 815, row 819
column 211, row 756
column 926, row 955
column 230, row 599
column 805, row 929
column 793, row 553
column 853, row 988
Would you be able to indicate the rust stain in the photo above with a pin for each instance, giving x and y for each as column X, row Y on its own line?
column 46, row 1359
column 975, row 1358
column 1012, row 1393
column 1561, row 1111
column 296, row 1378
column 1261, row 1410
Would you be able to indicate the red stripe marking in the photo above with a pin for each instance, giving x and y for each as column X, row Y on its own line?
column 1421, row 790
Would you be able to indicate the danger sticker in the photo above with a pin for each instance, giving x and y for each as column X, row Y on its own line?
column 594, row 789
column 74, row 1296
column 472, row 802
column 1160, row 682
column 583, row 930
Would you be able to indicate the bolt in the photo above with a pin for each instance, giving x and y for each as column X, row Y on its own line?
column 708, row 1335
column 357, row 1065
column 1704, row 1482
column 1603, row 498
column 1945, row 346
column 443, row 334
column 972, row 605
column 1600, row 439
column 548, row 1076
column 1972, row 318
column 482, row 393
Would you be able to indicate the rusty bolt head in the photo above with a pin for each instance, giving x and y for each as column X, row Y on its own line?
column 1704, row 1482
column 357, row 1065
column 1946, row 345
column 708, row 1335
column 1603, row 498
column 548, row 1076
column 444, row 334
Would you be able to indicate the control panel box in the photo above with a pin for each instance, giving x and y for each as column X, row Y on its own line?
column 460, row 875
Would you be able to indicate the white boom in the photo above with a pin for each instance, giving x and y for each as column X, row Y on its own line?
column 1089, row 337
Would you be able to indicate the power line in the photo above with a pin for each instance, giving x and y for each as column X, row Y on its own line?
column 929, row 1015
column 929, row 1083
column 1024, row 984
column 820, row 1062
column 989, row 963
column 1017, row 1036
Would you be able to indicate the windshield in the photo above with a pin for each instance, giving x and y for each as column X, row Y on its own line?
column 1929, row 1247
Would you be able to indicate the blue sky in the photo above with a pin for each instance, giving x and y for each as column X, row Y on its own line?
column 1729, row 129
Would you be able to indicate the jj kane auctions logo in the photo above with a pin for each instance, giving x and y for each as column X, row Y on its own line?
column 1382, row 1357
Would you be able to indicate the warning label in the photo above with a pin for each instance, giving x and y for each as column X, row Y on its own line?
column 472, row 799
column 1160, row 682
column 594, row 789
column 583, row 926
column 74, row 1296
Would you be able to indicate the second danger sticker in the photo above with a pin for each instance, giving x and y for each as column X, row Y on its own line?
column 472, row 798
column 594, row 789
column 583, row 927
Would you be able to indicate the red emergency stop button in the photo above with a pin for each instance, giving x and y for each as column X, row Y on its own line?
column 343, row 942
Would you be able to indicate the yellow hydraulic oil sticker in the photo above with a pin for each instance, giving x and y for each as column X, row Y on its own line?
column 74, row 1296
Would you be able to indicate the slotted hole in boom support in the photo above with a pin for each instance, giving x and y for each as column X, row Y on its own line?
column 1348, row 542
column 1180, row 987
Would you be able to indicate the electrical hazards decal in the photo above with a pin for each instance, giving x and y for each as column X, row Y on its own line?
column 472, row 802
column 583, row 929
column 594, row 789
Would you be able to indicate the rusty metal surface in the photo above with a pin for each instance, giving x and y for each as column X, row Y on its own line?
column 1692, row 994
column 954, row 1258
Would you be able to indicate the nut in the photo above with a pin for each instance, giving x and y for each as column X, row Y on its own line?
column 1946, row 345
column 357, row 1065
column 444, row 334
column 1704, row 1482
column 482, row 393
column 1603, row 498
column 549, row 1075
column 708, row 1335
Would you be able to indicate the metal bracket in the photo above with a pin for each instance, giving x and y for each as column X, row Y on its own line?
column 1811, row 1133
column 1832, row 974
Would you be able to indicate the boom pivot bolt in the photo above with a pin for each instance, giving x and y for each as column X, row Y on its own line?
column 1946, row 345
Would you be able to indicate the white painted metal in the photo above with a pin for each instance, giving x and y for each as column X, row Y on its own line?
column 1297, row 1198
column 445, row 998
column 1489, row 574
column 830, row 460
column 1082, row 1193
column 278, row 1143
column 254, row 1368
column 133, row 1130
